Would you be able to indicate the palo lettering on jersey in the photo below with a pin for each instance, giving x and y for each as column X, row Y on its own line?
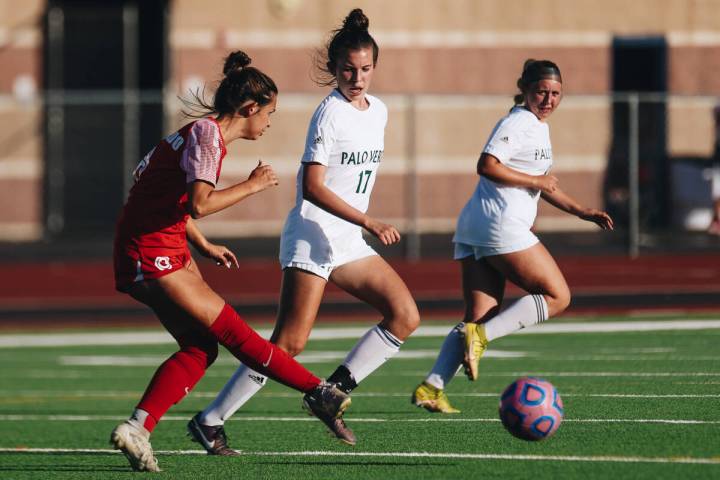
column 360, row 158
column 543, row 154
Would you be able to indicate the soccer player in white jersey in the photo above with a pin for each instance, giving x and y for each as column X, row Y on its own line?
column 494, row 241
column 322, row 239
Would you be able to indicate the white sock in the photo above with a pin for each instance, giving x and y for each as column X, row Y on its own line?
column 526, row 311
column 138, row 417
column 376, row 347
column 449, row 359
column 244, row 383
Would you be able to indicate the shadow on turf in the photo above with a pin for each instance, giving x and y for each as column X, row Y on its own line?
column 60, row 468
column 65, row 468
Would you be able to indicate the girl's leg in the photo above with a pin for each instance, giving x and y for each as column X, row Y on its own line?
column 299, row 302
column 374, row 281
column 533, row 270
column 191, row 294
column 301, row 294
column 483, row 290
column 171, row 382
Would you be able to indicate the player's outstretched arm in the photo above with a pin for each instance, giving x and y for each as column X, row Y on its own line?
column 204, row 200
column 566, row 203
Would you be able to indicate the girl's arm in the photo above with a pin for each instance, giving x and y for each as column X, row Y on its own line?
column 315, row 191
column 490, row 167
column 566, row 203
column 221, row 254
column 204, row 200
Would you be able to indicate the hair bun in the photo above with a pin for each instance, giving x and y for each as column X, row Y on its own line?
column 236, row 61
column 356, row 20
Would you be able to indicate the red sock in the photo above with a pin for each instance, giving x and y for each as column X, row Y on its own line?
column 175, row 378
column 257, row 353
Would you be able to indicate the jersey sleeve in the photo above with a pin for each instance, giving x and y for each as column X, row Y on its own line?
column 320, row 139
column 505, row 141
column 203, row 151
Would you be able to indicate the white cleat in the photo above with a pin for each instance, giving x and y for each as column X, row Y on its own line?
column 134, row 441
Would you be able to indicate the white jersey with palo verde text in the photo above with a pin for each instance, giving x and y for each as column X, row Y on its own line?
column 501, row 216
column 349, row 143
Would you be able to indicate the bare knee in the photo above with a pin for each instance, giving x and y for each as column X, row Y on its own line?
column 403, row 320
column 558, row 302
column 292, row 347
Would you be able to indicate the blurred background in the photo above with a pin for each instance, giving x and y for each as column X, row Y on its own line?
column 88, row 87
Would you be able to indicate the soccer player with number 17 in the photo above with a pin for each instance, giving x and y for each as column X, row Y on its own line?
column 322, row 239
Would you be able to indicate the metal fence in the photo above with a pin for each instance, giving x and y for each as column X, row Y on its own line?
column 644, row 157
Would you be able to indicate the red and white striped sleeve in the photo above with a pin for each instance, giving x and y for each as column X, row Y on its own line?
column 203, row 150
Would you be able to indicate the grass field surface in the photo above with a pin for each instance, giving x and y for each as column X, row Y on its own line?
column 638, row 404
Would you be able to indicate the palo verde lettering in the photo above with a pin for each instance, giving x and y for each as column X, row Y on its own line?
column 360, row 158
column 543, row 153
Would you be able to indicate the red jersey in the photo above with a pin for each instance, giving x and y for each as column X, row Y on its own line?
column 153, row 220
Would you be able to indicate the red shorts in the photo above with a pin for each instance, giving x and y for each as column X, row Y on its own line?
column 135, row 263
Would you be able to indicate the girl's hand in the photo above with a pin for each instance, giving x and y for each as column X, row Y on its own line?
column 221, row 254
column 387, row 234
column 597, row 216
column 547, row 183
column 263, row 176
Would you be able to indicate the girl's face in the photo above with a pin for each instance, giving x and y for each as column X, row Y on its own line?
column 259, row 121
column 354, row 73
column 543, row 98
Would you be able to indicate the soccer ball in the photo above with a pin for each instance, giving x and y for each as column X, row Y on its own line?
column 531, row 408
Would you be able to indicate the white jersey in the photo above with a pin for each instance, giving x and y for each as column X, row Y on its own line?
column 501, row 216
column 350, row 143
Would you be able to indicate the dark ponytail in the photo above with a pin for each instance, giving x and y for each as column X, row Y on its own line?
column 533, row 72
column 353, row 35
column 240, row 84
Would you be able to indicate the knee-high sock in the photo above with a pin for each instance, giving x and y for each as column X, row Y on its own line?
column 173, row 380
column 449, row 359
column 376, row 347
column 244, row 383
column 526, row 311
column 257, row 353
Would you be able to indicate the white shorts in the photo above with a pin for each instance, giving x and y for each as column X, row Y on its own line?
column 321, row 256
column 463, row 250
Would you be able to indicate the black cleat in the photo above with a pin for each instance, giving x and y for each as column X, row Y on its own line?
column 212, row 438
column 328, row 403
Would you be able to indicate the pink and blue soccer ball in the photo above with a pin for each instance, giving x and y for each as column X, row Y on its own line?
column 531, row 408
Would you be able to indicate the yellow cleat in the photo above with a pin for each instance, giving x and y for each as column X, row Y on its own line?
column 432, row 399
column 475, row 346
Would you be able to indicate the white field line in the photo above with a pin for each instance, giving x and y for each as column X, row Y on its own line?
column 449, row 455
column 149, row 338
column 308, row 356
column 125, row 394
column 349, row 419
column 420, row 373
column 50, row 374
column 330, row 356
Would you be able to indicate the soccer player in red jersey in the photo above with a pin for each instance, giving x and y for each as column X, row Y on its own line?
column 174, row 182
